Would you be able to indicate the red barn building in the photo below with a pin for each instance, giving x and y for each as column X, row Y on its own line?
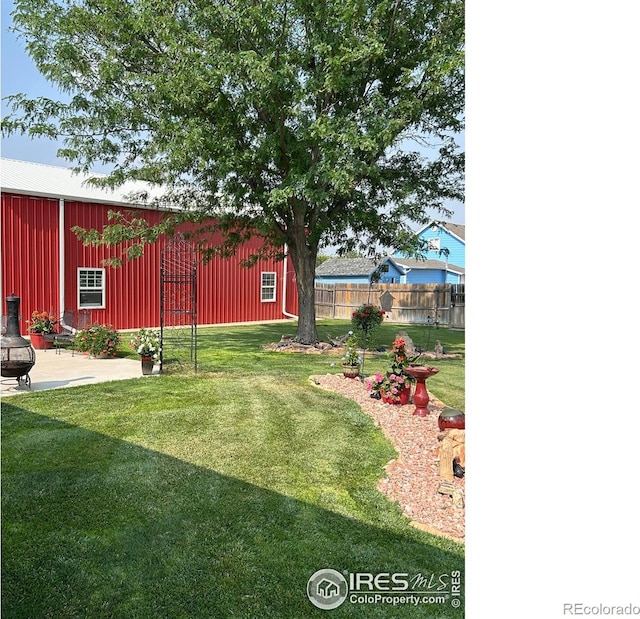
column 45, row 265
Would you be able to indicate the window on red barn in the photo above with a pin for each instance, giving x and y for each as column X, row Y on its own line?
column 91, row 288
column 268, row 287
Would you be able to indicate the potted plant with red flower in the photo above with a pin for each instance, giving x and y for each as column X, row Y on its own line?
column 394, row 387
column 41, row 324
column 365, row 320
column 99, row 340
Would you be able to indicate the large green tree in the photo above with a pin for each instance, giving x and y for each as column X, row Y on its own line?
column 293, row 120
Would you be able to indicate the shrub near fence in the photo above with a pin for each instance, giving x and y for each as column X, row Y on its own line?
column 410, row 303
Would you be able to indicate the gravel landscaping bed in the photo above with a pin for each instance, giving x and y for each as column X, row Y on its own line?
column 413, row 478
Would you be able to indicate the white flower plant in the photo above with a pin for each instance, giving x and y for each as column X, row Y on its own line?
column 351, row 355
column 146, row 342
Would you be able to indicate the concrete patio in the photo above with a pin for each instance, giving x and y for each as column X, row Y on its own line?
column 57, row 371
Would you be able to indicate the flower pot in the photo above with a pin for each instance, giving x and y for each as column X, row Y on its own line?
column 147, row 365
column 350, row 371
column 38, row 341
column 402, row 398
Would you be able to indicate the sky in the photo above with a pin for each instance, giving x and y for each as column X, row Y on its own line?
column 19, row 75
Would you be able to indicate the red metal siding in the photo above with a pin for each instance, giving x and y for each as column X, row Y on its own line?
column 132, row 292
column 30, row 254
column 227, row 292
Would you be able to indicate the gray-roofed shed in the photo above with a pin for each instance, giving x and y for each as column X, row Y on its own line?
column 345, row 267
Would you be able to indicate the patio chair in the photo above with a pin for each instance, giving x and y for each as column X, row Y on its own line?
column 71, row 323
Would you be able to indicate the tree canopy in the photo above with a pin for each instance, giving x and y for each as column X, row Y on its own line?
column 292, row 120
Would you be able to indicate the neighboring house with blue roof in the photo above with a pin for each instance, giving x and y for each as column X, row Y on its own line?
column 443, row 241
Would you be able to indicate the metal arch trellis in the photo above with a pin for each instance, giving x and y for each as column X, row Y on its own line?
column 178, row 301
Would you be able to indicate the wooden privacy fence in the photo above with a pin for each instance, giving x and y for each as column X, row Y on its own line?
column 404, row 303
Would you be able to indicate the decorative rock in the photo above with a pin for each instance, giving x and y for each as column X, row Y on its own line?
column 452, row 448
column 446, row 459
column 446, row 487
column 458, row 498
column 337, row 341
column 410, row 347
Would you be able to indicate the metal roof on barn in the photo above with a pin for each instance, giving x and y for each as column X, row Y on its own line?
column 37, row 179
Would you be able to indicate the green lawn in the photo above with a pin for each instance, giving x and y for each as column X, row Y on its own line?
column 237, row 349
column 215, row 495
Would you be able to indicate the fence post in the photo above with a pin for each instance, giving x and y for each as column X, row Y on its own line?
column 333, row 302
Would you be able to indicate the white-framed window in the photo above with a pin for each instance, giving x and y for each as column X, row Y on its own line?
column 268, row 287
column 433, row 244
column 91, row 288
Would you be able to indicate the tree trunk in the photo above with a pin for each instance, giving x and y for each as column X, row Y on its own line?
column 304, row 263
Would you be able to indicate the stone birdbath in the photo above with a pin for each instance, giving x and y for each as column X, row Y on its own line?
column 421, row 395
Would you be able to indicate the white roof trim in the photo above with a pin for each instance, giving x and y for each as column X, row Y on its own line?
column 48, row 181
column 442, row 227
column 429, row 265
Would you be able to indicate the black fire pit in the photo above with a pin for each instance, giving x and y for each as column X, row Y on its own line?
column 18, row 356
